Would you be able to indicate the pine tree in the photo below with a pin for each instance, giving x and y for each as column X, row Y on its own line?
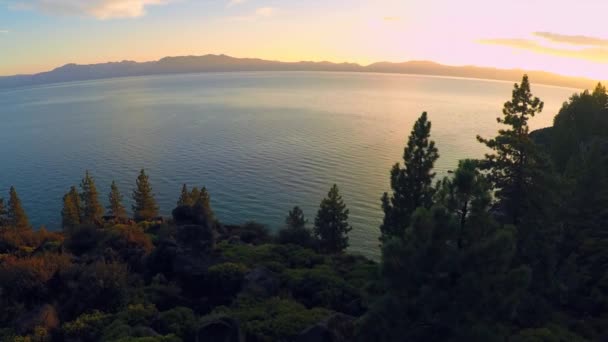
column 201, row 209
column 295, row 219
column 145, row 207
column 116, row 208
column 185, row 199
column 16, row 214
column 514, row 158
column 464, row 194
column 331, row 223
column 92, row 211
column 411, row 184
column 72, row 209
column 3, row 214
column 195, row 194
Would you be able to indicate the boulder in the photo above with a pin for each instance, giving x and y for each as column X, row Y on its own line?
column 262, row 282
column 336, row 328
column 220, row 329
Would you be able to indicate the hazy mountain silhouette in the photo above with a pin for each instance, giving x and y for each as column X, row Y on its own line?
column 223, row 63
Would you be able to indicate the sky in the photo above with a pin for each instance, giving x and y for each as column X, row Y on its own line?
column 561, row 36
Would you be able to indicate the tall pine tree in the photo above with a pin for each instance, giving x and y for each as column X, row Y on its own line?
column 16, row 214
column 185, row 199
column 92, row 210
column 201, row 209
column 411, row 184
column 116, row 208
column 331, row 223
column 72, row 209
column 145, row 207
column 515, row 158
column 295, row 219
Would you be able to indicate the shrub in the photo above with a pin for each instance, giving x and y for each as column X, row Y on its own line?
column 180, row 321
column 254, row 233
column 25, row 279
column 225, row 279
column 297, row 236
column 321, row 286
column 274, row 319
column 87, row 327
column 84, row 239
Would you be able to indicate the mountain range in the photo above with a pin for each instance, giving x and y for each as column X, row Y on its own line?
column 223, row 63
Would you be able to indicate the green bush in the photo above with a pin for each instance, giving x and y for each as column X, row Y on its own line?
column 225, row 279
column 180, row 321
column 87, row 327
column 274, row 319
column 323, row 287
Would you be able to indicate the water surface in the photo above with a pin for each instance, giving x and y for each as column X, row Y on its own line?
column 261, row 142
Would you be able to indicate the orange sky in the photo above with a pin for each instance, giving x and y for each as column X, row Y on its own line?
column 560, row 36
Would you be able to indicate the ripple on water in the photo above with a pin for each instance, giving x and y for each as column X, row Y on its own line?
column 260, row 142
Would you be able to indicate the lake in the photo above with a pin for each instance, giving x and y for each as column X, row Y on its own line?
column 261, row 142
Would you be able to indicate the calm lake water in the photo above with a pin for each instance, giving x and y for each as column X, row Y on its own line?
column 260, row 142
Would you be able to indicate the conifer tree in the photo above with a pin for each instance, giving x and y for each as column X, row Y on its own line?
column 72, row 209
column 195, row 194
column 116, row 208
column 201, row 208
column 185, row 199
column 3, row 213
column 295, row 219
column 411, row 184
column 331, row 223
column 16, row 214
column 464, row 194
column 92, row 211
column 145, row 207
column 514, row 159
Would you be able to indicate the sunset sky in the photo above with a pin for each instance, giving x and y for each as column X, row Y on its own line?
column 566, row 37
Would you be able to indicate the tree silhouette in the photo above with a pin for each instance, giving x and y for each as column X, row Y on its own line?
column 116, row 208
column 72, row 209
column 411, row 184
column 331, row 223
column 16, row 214
column 92, row 211
column 145, row 207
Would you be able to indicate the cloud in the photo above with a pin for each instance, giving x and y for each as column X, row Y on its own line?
column 265, row 11
column 594, row 53
column 233, row 3
column 101, row 9
column 3, row 31
column 573, row 40
column 262, row 12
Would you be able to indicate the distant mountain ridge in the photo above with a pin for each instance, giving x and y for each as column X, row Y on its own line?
column 223, row 63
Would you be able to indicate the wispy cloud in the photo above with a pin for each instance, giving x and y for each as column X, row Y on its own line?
column 259, row 13
column 233, row 3
column 573, row 40
column 265, row 11
column 3, row 31
column 101, row 9
column 582, row 47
